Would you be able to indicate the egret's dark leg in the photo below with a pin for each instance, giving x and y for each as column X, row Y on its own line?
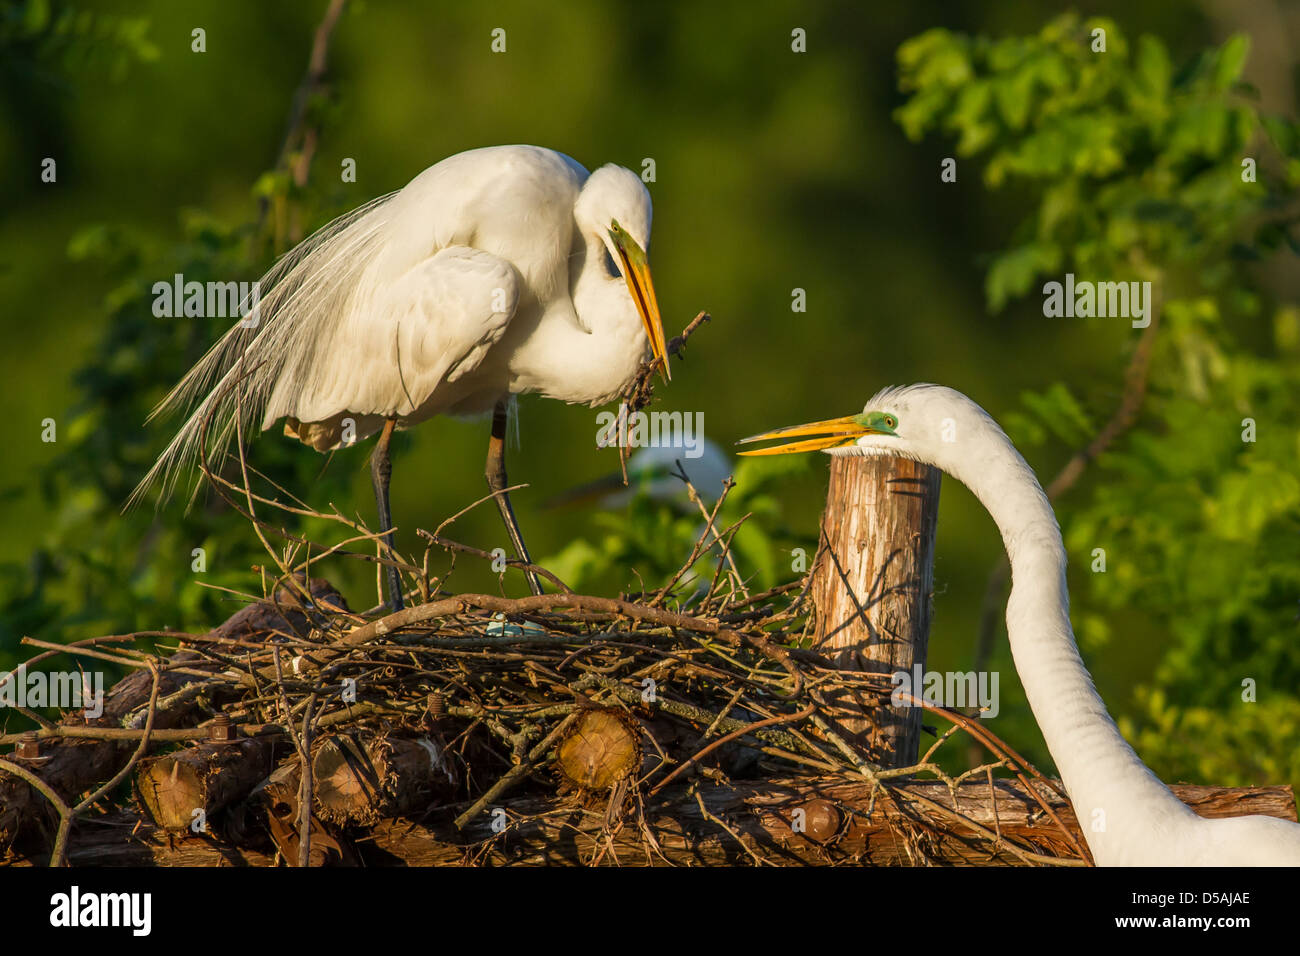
column 496, row 479
column 381, row 469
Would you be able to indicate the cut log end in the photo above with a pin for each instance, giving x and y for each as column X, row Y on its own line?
column 345, row 782
column 602, row 748
column 171, row 790
column 359, row 781
column 175, row 787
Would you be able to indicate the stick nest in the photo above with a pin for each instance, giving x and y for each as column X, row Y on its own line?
column 480, row 716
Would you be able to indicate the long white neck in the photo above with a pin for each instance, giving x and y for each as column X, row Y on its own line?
column 1121, row 805
column 587, row 346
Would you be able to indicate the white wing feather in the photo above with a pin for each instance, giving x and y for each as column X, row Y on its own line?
column 393, row 358
column 395, row 275
column 309, row 289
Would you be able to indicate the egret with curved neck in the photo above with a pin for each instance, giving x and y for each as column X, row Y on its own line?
column 496, row 272
column 1128, row 816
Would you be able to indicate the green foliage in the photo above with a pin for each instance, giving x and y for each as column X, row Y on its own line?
column 1137, row 163
column 1202, row 526
column 652, row 537
column 40, row 35
column 99, row 567
column 1136, row 173
column 1234, row 740
column 96, row 567
column 1057, row 414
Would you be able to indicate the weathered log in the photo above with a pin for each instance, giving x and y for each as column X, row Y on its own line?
column 184, row 789
column 601, row 749
column 840, row 823
column 73, row 765
column 361, row 779
column 871, row 587
column 357, row 780
column 276, row 801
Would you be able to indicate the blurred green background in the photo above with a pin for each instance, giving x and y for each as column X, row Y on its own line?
column 775, row 170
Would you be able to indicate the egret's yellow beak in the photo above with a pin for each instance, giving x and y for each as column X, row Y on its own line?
column 636, row 271
column 833, row 433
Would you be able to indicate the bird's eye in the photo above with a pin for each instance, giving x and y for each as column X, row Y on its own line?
column 891, row 421
column 611, row 269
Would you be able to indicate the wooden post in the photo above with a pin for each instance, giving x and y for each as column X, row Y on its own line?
column 872, row 584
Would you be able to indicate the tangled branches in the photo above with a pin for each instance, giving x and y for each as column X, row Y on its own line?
column 685, row 723
column 494, row 721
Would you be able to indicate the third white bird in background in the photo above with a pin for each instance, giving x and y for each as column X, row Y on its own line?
column 653, row 472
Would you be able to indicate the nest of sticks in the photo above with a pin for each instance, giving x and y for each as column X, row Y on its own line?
column 690, row 724
column 475, row 728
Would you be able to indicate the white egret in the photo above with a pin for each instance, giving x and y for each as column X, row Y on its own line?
column 496, row 272
column 1128, row 816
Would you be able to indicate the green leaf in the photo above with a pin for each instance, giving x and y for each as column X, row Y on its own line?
column 1014, row 272
column 1283, row 133
column 1060, row 411
column 1152, row 68
column 1200, row 130
column 1015, row 96
column 1250, row 499
column 1230, row 60
column 36, row 17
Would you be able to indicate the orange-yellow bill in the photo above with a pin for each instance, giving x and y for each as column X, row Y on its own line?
column 833, row 432
column 636, row 271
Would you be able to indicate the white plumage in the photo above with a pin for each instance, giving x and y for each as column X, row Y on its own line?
column 1127, row 815
column 496, row 272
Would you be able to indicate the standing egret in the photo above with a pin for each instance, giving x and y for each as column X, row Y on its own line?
column 496, row 272
column 1128, row 816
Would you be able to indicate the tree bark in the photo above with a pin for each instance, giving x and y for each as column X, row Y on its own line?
column 872, row 587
